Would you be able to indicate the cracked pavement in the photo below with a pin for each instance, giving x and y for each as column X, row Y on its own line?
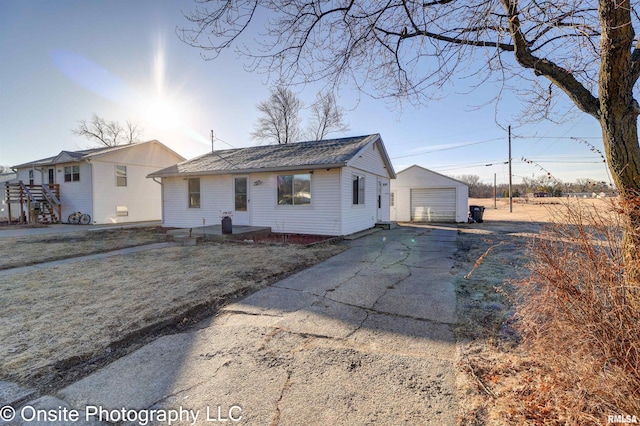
column 362, row 338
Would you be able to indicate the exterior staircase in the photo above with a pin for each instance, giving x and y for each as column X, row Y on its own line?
column 37, row 203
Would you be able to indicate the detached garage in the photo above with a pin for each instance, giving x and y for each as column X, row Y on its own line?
column 422, row 195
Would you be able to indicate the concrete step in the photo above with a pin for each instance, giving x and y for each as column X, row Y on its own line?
column 387, row 225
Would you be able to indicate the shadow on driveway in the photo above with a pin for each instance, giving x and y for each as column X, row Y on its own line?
column 364, row 337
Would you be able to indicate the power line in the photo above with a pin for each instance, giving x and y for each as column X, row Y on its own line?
column 569, row 161
column 558, row 137
column 447, row 149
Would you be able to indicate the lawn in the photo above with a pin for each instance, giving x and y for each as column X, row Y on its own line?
column 63, row 316
column 23, row 251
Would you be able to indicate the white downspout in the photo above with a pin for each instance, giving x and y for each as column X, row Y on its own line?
column 161, row 198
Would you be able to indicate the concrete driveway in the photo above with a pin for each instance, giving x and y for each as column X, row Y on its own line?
column 362, row 338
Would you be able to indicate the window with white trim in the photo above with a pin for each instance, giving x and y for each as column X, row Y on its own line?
column 121, row 175
column 294, row 190
column 72, row 173
column 194, row 192
column 358, row 189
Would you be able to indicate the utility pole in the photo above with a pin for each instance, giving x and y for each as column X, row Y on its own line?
column 510, row 192
column 212, row 138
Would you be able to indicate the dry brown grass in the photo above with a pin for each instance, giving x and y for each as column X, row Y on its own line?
column 576, row 353
column 28, row 250
column 484, row 311
column 74, row 312
column 578, row 310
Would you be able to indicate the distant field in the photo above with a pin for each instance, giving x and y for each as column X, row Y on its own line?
column 541, row 210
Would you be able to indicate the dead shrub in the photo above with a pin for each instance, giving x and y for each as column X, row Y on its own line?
column 579, row 315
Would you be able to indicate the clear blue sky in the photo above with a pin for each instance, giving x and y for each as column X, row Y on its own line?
column 62, row 61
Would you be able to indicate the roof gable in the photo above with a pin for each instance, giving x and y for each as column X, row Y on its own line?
column 81, row 155
column 311, row 154
column 382, row 152
column 418, row 171
column 63, row 157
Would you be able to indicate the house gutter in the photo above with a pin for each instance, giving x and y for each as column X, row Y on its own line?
column 247, row 171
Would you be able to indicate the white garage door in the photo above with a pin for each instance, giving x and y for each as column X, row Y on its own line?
column 433, row 205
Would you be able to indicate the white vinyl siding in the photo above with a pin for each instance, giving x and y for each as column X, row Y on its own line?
column 77, row 196
column 142, row 196
column 360, row 216
column 433, row 205
column 330, row 210
column 216, row 197
column 98, row 194
column 369, row 159
column 320, row 217
column 23, row 175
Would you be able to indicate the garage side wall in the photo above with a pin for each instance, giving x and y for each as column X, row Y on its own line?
column 462, row 204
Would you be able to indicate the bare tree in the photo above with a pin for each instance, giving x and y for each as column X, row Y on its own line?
column 107, row 133
column 410, row 49
column 473, row 183
column 280, row 120
column 326, row 117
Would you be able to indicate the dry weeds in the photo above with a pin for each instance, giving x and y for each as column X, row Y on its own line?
column 58, row 316
column 492, row 256
column 578, row 362
column 29, row 250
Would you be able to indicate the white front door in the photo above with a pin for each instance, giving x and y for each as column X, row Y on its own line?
column 241, row 213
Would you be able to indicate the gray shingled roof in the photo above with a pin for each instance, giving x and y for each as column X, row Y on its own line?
column 312, row 154
column 82, row 154
column 73, row 154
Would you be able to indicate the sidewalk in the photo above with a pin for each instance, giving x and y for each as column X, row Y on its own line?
column 31, row 268
column 362, row 338
column 19, row 230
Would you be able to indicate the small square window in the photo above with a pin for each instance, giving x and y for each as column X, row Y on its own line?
column 72, row 173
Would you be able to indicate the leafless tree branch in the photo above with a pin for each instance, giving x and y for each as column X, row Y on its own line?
column 107, row 133
column 280, row 120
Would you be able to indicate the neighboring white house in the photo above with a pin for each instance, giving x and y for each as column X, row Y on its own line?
column 107, row 183
column 326, row 187
column 422, row 195
column 4, row 208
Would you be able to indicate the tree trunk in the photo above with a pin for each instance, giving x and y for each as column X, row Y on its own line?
column 620, row 137
column 618, row 117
